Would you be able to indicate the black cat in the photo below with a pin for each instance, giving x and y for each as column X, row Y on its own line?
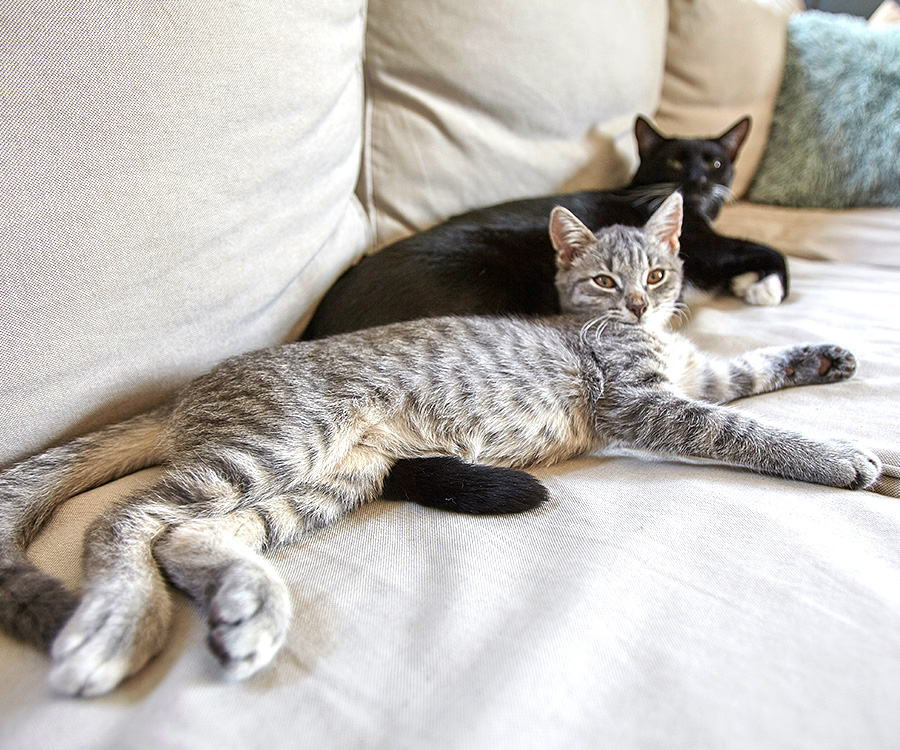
column 500, row 260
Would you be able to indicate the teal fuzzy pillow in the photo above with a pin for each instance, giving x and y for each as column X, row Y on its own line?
column 835, row 135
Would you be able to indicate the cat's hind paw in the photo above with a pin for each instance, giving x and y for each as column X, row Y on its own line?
column 812, row 364
column 109, row 637
column 766, row 292
column 248, row 619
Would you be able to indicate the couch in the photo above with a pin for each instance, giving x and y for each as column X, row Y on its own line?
column 182, row 182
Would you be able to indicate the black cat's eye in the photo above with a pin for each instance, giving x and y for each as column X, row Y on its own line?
column 714, row 163
column 674, row 164
column 655, row 276
column 604, row 281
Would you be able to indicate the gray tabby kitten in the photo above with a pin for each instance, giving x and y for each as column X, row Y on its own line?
column 271, row 445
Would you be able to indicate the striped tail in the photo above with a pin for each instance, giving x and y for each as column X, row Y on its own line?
column 34, row 605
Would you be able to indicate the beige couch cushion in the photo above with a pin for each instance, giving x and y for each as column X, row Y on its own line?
column 470, row 103
column 648, row 604
column 724, row 61
column 176, row 185
column 858, row 235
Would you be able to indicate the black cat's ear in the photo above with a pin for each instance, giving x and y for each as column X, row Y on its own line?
column 648, row 138
column 733, row 138
column 569, row 236
column 664, row 226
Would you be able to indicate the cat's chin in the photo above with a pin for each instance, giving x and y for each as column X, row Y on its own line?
column 704, row 204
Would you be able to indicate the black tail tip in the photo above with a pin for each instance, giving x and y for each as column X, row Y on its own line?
column 33, row 606
column 453, row 485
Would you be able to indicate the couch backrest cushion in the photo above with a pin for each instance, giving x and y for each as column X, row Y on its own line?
column 177, row 184
column 472, row 102
column 724, row 61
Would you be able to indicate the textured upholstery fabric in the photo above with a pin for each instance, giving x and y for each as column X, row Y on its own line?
column 648, row 604
column 866, row 235
column 176, row 185
column 471, row 103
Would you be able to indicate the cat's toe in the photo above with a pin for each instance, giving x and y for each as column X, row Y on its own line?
column 849, row 466
column 103, row 643
column 868, row 468
column 248, row 622
column 819, row 363
column 836, row 363
column 86, row 675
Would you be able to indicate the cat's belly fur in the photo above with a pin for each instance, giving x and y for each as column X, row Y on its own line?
column 544, row 438
column 515, row 396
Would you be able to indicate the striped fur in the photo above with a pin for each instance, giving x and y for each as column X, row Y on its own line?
column 271, row 445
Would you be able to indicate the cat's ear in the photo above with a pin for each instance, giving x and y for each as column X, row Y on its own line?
column 569, row 236
column 733, row 138
column 648, row 138
column 664, row 226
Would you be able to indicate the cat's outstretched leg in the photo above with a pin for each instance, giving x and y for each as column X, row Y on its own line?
column 248, row 609
column 123, row 618
column 773, row 368
column 668, row 424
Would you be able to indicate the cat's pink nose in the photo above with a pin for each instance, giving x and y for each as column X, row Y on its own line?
column 636, row 304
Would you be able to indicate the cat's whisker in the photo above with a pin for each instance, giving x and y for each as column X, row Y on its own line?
column 586, row 328
column 682, row 311
column 723, row 193
column 677, row 314
column 599, row 332
column 650, row 194
column 600, row 323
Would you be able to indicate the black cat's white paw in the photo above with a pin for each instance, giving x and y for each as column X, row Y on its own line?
column 766, row 292
column 248, row 620
column 819, row 363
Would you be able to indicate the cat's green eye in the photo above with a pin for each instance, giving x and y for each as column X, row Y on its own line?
column 714, row 164
column 604, row 281
column 673, row 164
column 655, row 276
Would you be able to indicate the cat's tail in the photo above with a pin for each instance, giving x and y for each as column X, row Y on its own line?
column 454, row 485
column 34, row 605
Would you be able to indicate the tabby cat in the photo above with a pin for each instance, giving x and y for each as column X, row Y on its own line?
column 500, row 260
column 271, row 445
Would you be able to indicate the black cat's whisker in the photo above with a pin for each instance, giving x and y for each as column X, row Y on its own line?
column 650, row 194
column 723, row 194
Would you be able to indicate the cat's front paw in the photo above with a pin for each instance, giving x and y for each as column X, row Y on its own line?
column 854, row 468
column 819, row 363
column 767, row 292
column 867, row 467
column 248, row 619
